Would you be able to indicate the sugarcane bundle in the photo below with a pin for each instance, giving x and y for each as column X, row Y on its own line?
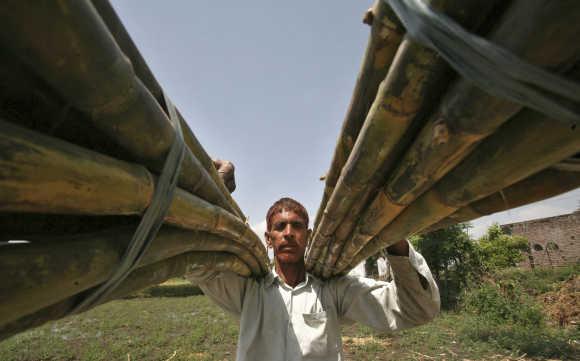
column 435, row 149
column 85, row 131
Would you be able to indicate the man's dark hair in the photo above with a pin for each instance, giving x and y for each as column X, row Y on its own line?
column 288, row 204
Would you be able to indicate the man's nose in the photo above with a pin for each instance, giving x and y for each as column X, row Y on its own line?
column 288, row 231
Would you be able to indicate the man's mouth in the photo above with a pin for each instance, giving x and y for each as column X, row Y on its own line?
column 287, row 249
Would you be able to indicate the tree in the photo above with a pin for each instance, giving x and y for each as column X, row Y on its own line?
column 500, row 250
column 448, row 249
column 452, row 257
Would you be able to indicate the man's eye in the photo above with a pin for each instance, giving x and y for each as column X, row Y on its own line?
column 298, row 225
column 279, row 226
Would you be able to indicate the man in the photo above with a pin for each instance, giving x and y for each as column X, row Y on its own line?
column 291, row 315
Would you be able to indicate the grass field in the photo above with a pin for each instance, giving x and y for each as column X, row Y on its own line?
column 151, row 326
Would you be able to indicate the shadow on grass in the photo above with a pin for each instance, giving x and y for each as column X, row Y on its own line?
column 179, row 290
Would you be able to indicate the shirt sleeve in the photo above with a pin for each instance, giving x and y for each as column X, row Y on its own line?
column 226, row 289
column 410, row 300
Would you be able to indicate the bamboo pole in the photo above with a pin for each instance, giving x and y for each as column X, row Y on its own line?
column 38, row 274
column 26, row 100
column 545, row 184
column 198, row 262
column 40, row 174
column 415, row 80
column 80, row 58
column 522, row 147
column 15, row 225
column 143, row 72
column 539, row 31
column 384, row 39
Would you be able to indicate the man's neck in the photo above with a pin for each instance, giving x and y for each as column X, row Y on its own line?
column 291, row 273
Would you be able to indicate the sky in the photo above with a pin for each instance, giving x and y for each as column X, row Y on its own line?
column 267, row 87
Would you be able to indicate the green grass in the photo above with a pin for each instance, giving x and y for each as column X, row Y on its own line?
column 136, row 329
column 439, row 340
column 192, row 328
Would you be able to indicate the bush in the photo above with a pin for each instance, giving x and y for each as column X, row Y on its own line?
column 503, row 302
column 502, row 314
column 538, row 280
column 534, row 341
column 499, row 250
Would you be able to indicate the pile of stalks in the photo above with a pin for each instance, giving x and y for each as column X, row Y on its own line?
column 84, row 133
column 422, row 148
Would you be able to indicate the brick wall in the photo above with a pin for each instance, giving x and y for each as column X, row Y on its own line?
column 554, row 241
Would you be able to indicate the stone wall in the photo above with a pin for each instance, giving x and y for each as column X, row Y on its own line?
column 554, row 241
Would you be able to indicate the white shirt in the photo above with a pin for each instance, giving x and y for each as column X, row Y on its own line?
column 281, row 323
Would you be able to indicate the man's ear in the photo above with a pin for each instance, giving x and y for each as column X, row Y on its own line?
column 308, row 234
column 267, row 238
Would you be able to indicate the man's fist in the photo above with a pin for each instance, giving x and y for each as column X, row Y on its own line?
column 225, row 170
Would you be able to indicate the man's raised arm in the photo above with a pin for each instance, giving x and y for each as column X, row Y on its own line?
column 410, row 300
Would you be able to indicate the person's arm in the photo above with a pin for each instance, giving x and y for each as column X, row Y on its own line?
column 410, row 300
column 226, row 289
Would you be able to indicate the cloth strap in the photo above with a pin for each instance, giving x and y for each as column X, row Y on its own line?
column 150, row 222
column 494, row 69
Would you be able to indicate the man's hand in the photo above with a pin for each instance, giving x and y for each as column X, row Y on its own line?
column 225, row 170
column 400, row 248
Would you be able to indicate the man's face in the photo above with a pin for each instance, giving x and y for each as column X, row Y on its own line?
column 288, row 237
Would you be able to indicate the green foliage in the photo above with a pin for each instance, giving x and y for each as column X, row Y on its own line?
column 500, row 250
column 449, row 249
column 453, row 259
column 503, row 302
column 456, row 261
column 502, row 311
column 532, row 341
column 539, row 280
column 371, row 266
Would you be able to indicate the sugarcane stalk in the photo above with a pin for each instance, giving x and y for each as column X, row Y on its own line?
column 80, row 58
column 384, row 39
column 541, row 32
column 414, row 83
column 200, row 262
column 38, row 274
column 525, row 145
column 143, row 72
column 545, row 184
column 40, row 174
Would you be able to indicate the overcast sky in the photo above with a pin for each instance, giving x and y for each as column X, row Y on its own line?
column 267, row 87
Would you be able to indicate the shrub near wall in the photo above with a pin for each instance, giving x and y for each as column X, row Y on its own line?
column 501, row 312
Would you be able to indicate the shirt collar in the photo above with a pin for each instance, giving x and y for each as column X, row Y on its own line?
column 273, row 277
